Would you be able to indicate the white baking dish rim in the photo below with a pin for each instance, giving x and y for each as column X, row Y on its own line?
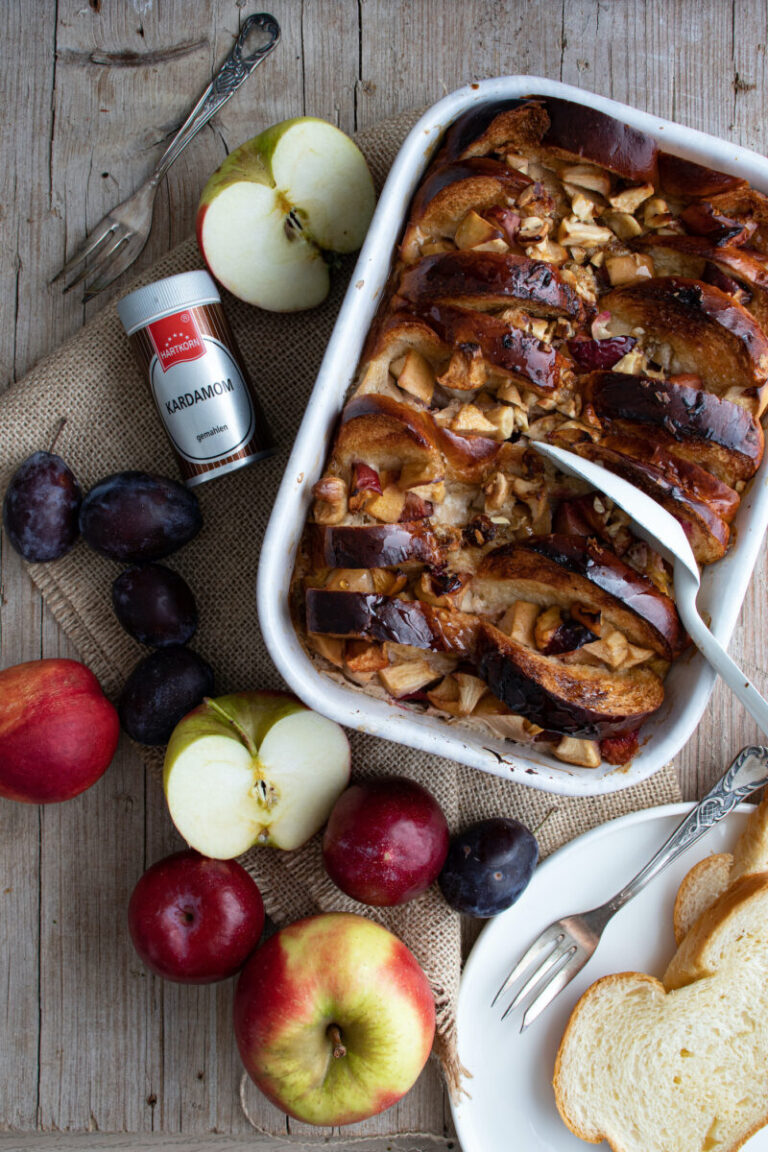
column 690, row 681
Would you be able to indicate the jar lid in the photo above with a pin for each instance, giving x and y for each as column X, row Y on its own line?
column 187, row 290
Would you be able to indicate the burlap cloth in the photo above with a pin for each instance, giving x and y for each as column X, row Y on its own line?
column 94, row 381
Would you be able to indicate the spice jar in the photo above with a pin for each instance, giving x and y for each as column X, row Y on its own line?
column 198, row 381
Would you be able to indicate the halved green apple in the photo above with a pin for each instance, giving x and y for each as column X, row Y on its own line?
column 253, row 768
column 276, row 205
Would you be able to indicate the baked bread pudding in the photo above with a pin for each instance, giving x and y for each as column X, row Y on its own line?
column 559, row 278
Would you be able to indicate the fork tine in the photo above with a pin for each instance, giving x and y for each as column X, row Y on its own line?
column 100, row 265
column 559, row 980
column 549, row 938
column 123, row 260
column 93, row 241
column 551, row 964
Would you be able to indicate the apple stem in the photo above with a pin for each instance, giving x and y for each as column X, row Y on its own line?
column 540, row 825
column 231, row 721
column 333, row 1032
column 57, row 433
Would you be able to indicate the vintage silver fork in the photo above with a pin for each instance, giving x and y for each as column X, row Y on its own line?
column 561, row 950
column 113, row 245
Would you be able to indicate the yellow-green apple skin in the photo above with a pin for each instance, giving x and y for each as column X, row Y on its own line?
column 276, row 204
column 253, row 768
column 334, row 1018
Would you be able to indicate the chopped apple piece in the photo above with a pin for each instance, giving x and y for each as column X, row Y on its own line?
column 510, row 394
column 497, row 492
column 584, row 753
column 402, row 679
column 416, row 376
column 572, row 230
column 585, row 176
column 469, row 418
column 519, row 622
column 473, row 230
column 433, row 493
column 502, row 417
column 388, row 583
column 466, row 369
column 547, row 251
column 330, row 648
column 636, row 655
column 350, row 580
column 445, row 695
column 626, row 269
column 471, row 691
column 533, row 229
column 364, row 656
column 547, row 623
column 625, row 226
column 388, row 507
column 631, row 198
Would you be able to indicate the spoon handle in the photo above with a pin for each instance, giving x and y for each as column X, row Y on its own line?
column 713, row 651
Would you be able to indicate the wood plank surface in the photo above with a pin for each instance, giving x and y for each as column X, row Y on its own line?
column 92, row 89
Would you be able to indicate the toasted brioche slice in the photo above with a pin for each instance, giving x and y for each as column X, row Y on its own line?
column 678, row 1065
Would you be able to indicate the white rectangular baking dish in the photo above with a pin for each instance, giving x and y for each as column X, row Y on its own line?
column 690, row 682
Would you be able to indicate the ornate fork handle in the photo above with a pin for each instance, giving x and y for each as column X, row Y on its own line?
column 235, row 69
column 747, row 773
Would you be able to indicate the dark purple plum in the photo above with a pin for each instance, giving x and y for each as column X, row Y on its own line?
column 136, row 516
column 159, row 692
column 41, row 507
column 155, row 605
column 488, row 866
column 594, row 354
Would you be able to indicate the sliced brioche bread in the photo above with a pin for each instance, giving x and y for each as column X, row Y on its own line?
column 678, row 1066
column 711, row 876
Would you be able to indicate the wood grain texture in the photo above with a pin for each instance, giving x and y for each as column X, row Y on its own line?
column 91, row 1043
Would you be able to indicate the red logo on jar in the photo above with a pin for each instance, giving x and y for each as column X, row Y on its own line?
column 176, row 339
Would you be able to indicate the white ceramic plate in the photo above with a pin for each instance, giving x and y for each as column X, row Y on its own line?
column 511, row 1102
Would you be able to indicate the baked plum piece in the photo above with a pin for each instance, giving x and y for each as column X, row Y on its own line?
column 370, row 616
column 375, row 545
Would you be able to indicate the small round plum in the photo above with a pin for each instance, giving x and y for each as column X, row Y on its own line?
column 41, row 507
column 488, row 866
column 161, row 690
column 155, row 605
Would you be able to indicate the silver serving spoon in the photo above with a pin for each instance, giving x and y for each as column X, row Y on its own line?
column 659, row 529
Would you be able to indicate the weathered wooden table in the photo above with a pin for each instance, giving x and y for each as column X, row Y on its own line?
column 89, row 1044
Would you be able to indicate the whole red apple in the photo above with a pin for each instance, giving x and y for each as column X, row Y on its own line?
column 195, row 920
column 334, row 1018
column 386, row 840
column 58, row 731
